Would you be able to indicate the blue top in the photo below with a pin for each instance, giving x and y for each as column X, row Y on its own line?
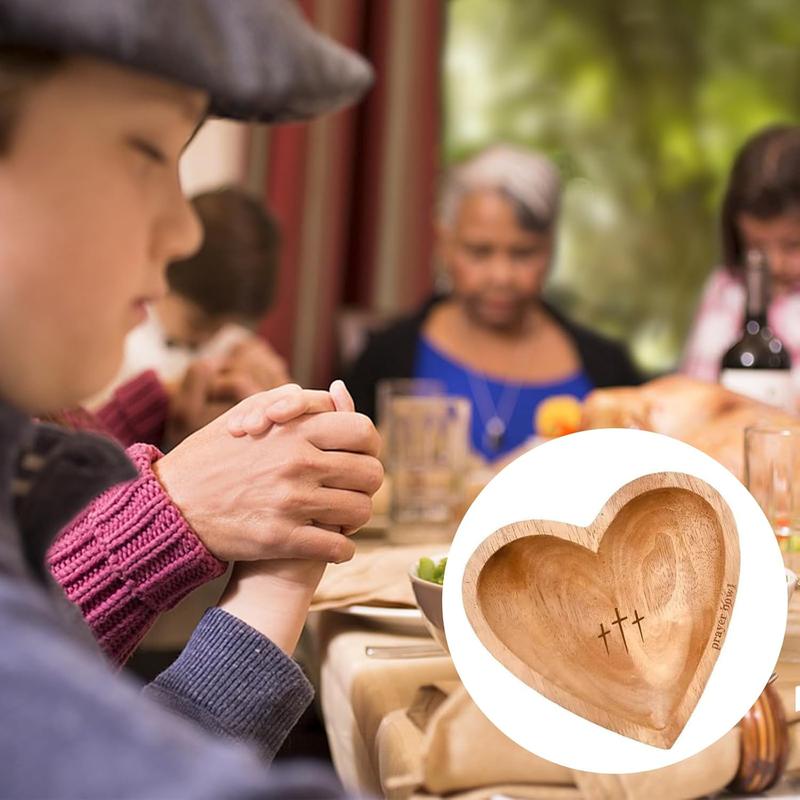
column 514, row 403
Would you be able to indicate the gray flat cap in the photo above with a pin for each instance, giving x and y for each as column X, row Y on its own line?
column 258, row 59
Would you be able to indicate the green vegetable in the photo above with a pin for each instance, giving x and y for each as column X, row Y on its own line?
column 429, row 571
column 426, row 569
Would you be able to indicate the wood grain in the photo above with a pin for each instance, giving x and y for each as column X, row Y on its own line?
column 620, row 622
column 764, row 745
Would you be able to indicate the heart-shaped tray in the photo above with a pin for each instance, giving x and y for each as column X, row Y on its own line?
column 620, row 622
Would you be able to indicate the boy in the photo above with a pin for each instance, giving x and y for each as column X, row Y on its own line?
column 97, row 100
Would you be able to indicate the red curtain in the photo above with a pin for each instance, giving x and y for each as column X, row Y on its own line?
column 355, row 191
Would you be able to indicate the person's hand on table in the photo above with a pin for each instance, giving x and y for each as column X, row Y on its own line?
column 270, row 495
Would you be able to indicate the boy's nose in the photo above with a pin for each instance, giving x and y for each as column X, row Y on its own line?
column 180, row 233
column 190, row 230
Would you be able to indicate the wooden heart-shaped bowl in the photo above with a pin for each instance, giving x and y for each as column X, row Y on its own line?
column 620, row 622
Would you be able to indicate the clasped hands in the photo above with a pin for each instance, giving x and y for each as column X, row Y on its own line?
column 277, row 484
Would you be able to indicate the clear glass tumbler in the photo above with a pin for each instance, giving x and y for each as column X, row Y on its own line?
column 772, row 475
column 426, row 460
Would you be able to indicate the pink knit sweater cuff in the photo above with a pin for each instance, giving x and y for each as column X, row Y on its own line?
column 137, row 411
column 130, row 556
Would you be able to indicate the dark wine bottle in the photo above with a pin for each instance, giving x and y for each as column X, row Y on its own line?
column 758, row 365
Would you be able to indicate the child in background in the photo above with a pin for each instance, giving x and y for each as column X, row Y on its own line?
column 198, row 354
column 761, row 210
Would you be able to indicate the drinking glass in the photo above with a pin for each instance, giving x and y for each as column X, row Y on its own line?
column 772, row 475
column 426, row 460
column 389, row 388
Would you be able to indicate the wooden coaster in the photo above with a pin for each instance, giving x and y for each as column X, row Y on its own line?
column 620, row 622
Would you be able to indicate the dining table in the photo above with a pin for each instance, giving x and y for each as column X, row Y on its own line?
column 400, row 725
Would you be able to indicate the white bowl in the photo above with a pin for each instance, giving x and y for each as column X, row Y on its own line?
column 791, row 582
column 429, row 599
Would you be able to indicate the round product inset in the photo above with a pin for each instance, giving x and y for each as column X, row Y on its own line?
column 567, row 483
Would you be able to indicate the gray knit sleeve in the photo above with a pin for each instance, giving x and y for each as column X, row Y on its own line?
column 234, row 682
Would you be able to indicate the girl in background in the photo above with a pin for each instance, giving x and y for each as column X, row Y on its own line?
column 760, row 210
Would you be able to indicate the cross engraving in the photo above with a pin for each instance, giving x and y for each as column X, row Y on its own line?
column 603, row 633
column 618, row 621
column 638, row 622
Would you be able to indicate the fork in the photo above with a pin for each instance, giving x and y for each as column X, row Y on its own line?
column 404, row 651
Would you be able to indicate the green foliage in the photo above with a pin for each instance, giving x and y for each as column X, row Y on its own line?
column 642, row 103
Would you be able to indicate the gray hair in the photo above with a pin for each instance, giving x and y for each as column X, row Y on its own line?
column 529, row 180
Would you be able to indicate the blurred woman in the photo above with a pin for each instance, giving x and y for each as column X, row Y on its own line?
column 492, row 338
column 761, row 210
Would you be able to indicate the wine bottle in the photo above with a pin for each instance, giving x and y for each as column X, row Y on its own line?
column 758, row 365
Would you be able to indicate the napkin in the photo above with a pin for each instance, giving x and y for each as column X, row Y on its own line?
column 463, row 750
column 443, row 745
column 375, row 576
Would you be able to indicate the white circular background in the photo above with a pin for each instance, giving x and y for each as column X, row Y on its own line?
column 568, row 480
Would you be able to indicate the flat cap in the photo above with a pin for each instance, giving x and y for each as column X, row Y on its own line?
column 258, row 59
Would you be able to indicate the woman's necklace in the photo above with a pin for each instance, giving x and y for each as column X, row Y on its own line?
column 495, row 418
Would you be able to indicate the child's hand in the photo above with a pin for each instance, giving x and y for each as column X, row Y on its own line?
column 273, row 597
column 256, row 414
column 255, row 359
column 190, row 403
